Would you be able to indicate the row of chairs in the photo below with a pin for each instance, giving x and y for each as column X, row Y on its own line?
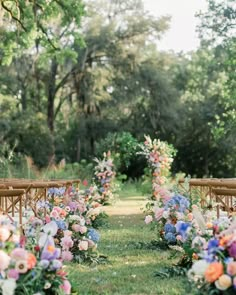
column 19, row 194
column 221, row 191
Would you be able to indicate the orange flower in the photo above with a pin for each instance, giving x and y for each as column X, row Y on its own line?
column 209, row 225
column 214, row 271
column 31, row 260
column 224, row 240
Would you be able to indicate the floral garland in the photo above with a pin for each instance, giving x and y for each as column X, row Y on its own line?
column 30, row 267
column 75, row 214
column 104, row 179
column 215, row 271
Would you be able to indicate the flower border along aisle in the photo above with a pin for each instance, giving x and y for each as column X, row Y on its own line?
column 30, row 266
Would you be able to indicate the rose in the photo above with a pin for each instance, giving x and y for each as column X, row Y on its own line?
column 83, row 245
column 231, row 268
column 224, row 282
column 31, row 261
column 148, row 219
column 214, row 271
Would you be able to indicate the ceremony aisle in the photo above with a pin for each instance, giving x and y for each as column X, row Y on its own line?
column 131, row 263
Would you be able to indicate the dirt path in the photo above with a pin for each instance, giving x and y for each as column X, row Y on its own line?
column 127, row 206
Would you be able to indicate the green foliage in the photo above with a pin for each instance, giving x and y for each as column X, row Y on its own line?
column 123, row 147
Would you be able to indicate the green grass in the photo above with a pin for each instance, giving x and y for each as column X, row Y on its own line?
column 130, row 270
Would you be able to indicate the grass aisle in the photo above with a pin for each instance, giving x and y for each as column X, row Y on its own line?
column 130, row 270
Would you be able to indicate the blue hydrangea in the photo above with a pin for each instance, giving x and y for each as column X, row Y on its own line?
column 169, row 228
column 213, row 246
column 61, row 224
column 181, row 228
column 93, row 235
column 180, row 201
column 170, row 238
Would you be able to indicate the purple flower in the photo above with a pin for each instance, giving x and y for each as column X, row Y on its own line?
column 44, row 263
column 55, row 264
column 73, row 206
column 232, row 250
column 181, row 228
column 50, row 252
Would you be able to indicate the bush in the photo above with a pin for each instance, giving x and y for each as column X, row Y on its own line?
column 123, row 147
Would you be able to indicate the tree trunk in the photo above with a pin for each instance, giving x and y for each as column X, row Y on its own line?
column 51, row 94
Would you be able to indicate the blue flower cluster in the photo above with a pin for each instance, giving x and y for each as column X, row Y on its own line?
column 181, row 228
column 93, row 235
column 170, row 231
column 181, row 202
column 56, row 191
column 61, row 224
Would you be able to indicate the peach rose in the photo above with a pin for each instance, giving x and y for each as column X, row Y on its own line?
column 224, row 282
column 83, row 245
column 214, row 271
column 31, row 261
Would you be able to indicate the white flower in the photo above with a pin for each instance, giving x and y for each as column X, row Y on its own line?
column 8, row 286
column 198, row 269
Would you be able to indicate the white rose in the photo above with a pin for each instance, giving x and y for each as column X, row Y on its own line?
column 8, row 286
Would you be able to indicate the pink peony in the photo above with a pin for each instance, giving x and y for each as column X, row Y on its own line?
column 82, row 229
column 5, row 260
column 76, row 227
column 67, row 242
column 67, row 233
column 83, row 245
column 158, row 213
column 66, row 256
column 148, row 219
column 66, row 287
column 13, row 274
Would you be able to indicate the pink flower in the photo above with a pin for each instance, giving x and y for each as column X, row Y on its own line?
column 76, row 227
column 13, row 274
column 67, row 233
column 66, row 255
column 85, row 182
column 190, row 216
column 83, row 245
column 158, row 213
column 66, row 287
column 231, row 268
column 83, row 229
column 178, row 238
column 5, row 260
column 148, row 219
column 67, row 242
column 54, row 214
column 19, row 254
column 47, row 219
column 4, row 234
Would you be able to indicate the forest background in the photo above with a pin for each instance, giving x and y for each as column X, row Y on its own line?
column 79, row 78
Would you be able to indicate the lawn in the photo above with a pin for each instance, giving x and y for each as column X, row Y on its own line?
column 130, row 270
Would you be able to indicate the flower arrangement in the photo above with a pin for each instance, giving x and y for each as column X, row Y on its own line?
column 75, row 213
column 159, row 156
column 215, row 272
column 29, row 268
column 104, row 179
